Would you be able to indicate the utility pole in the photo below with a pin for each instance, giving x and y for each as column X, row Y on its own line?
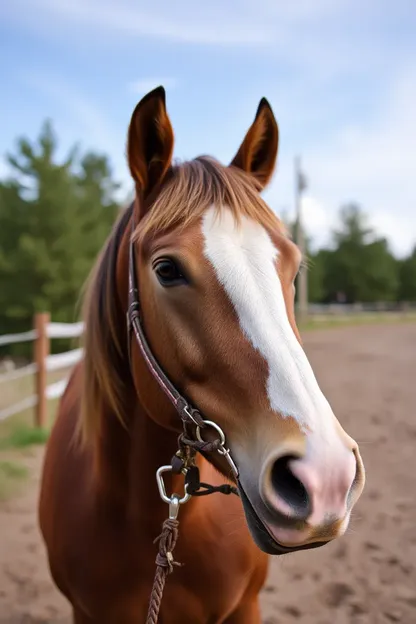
column 302, row 280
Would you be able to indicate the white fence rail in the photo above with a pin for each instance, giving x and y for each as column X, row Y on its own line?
column 21, row 406
column 64, row 330
column 12, row 375
column 63, row 360
column 55, row 390
column 44, row 362
column 11, row 338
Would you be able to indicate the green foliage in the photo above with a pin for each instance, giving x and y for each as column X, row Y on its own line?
column 54, row 219
column 317, row 264
column 24, row 435
column 358, row 266
column 407, row 273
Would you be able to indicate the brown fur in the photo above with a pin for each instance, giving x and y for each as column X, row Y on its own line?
column 99, row 508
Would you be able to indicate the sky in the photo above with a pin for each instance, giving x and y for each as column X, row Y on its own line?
column 340, row 76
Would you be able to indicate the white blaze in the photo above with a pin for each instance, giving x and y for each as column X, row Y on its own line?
column 244, row 260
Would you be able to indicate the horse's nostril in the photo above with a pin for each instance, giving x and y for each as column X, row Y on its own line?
column 289, row 489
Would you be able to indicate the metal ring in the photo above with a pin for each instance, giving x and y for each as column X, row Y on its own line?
column 209, row 423
column 162, row 490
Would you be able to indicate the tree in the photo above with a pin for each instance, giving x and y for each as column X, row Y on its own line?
column 360, row 265
column 317, row 263
column 54, row 218
column 407, row 278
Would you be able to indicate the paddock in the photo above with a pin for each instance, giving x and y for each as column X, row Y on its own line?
column 368, row 576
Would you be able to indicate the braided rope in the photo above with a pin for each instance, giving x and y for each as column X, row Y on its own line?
column 164, row 566
column 197, row 445
column 170, row 528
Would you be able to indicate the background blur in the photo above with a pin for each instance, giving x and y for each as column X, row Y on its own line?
column 341, row 78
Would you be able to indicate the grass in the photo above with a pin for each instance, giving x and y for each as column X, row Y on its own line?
column 12, row 470
column 12, row 476
column 18, row 433
column 344, row 320
column 21, row 436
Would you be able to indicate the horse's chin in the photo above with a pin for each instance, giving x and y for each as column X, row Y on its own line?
column 260, row 534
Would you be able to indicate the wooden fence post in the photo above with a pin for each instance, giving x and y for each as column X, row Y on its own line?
column 41, row 353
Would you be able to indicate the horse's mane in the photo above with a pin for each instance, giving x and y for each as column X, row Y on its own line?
column 194, row 187
column 198, row 184
column 104, row 359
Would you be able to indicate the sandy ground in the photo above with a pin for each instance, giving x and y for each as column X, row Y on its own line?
column 369, row 575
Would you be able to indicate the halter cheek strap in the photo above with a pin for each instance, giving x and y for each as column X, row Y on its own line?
column 186, row 411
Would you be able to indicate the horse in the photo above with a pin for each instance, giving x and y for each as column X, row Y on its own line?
column 191, row 353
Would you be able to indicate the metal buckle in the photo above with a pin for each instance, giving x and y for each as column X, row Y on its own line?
column 175, row 500
column 222, row 450
column 187, row 411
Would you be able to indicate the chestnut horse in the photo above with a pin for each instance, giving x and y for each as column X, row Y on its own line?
column 211, row 289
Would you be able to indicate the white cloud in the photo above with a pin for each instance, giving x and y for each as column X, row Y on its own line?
column 182, row 21
column 318, row 221
column 284, row 28
column 370, row 163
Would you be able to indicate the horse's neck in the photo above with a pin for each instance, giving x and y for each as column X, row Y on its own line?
column 129, row 459
column 152, row 446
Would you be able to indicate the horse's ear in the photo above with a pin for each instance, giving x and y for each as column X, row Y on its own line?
column 150, row 142
column 258, row 152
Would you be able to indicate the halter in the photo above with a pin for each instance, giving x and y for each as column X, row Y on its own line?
column 188, row 414
column 184, row 460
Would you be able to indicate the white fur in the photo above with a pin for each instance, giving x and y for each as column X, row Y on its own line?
column 244, row 260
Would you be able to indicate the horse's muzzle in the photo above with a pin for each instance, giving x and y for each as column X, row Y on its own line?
column 262, row 536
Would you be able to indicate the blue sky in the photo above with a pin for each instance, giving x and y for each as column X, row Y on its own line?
column 339, row 74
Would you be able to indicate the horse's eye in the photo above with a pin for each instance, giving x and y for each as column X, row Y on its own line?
column 168, row 273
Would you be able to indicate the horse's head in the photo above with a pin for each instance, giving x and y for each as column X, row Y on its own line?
column 216, row 273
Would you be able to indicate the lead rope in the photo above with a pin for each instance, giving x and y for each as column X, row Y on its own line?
column 164, row 566
column 182, row 462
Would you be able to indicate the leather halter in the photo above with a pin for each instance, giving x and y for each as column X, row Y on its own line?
column 189, row 414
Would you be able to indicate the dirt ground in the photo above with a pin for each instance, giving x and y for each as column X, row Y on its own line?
column 369, row 575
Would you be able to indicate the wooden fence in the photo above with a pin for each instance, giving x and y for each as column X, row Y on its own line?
column 43, row 362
